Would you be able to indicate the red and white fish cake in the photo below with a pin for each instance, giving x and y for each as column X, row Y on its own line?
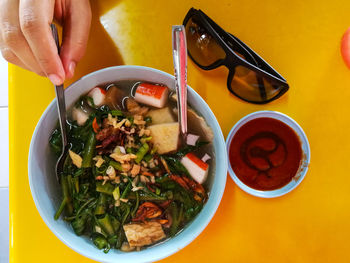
column 98, row 95
column 196, row 167
column 152, row 95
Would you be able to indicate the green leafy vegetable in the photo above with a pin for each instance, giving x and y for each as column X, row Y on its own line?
column 101, row 242
column 117, row 113
column 66, row 194
column 133, row 212
column 126, row 191
column 99, row 206
column 106, row 225
column 148, row 120
column 56, row 142
column 60, row 209
column 177, row 216
column 106, row 188
column 116, row 165
column 175, row 165
column 79, row 223
column 141, row 152
column 190, row 148
column 89, row 151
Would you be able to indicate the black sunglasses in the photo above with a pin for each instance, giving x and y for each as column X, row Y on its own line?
column 250, row 77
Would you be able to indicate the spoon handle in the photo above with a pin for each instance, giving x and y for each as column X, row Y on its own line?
column 180, row 66
column 61, row 104
column 62, row 112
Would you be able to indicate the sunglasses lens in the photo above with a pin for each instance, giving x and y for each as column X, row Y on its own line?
column 203, row 48
column 254, row 87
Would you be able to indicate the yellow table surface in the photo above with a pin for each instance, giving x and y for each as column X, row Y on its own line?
column 301, row 39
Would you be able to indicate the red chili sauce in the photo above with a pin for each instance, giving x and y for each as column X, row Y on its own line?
column 265, row 154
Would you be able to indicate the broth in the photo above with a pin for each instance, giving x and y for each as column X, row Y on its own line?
column 127, row 174
column 127, row 86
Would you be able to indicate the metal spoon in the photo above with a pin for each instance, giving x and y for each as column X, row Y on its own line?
column 180, row 66
column 61, row 105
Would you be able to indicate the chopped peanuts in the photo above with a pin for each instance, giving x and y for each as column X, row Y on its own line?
column 135, row 181
column 142, row 132
column 144, row 179
column 119, row 124
column 126, row 167
column 147, row 132
column 111, row 172
column 99, row 160
column 127, row 123
column 144, row 164
column 117, row 179
column 138, row 120
column 122, row 158
column 137, row 188
column 135, row 170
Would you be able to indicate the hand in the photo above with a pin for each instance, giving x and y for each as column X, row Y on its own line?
column 26, row 39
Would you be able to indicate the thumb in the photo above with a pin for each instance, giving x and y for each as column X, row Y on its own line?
column 76, row 27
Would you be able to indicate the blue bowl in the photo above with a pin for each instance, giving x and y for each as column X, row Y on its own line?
column 46, row 191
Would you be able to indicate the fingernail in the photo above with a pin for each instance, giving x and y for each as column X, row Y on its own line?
column 71, row 69
column 56, row 80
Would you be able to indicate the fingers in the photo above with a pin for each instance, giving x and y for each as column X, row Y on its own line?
column 26, row 39
column 76, row 27
column 12, row 58
column 35, row 17
column 13, row 45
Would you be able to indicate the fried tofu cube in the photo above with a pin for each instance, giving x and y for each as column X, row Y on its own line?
column 159, row 116
column 165, row 137
column 143, row 234
column 198, row 125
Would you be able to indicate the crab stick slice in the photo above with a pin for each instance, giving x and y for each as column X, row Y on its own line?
column 152, row 95
column 98, row 96
column 196, row 167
